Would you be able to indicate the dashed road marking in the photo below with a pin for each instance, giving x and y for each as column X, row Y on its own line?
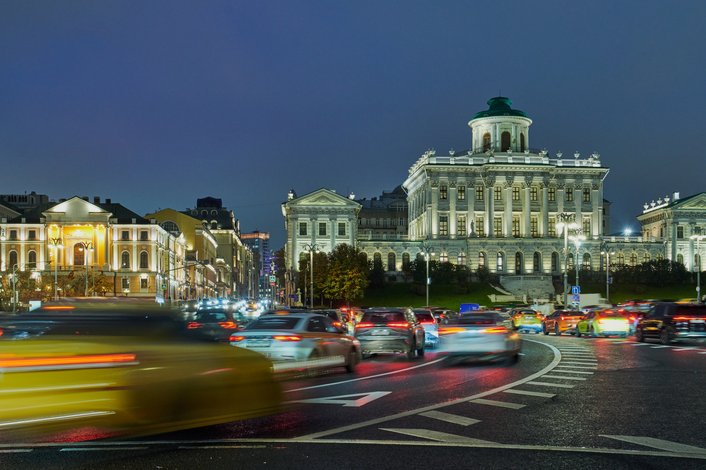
column 658, row 444
column 661, row 346
column 563, row 377
column 14, row 451
column 529, row 393
column 436, row 435
column 685, row 349
column 638, row 344
column 501, row 404
column 450, row 418
column 550, row 384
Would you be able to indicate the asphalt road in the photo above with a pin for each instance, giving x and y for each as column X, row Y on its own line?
column 568, row 403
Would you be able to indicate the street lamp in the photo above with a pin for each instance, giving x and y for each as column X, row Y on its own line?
column 567, row 221
column 698, row 238
column 2, row 239
column 311, row 247
column 86, row 247
column 56, row 243
column 426, row 249
column 577, row 238
column 607, row 254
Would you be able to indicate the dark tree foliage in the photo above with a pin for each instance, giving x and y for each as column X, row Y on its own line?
column 376, row 274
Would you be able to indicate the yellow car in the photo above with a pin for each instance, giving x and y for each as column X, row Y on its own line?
column 603, row 323
column 123, row 374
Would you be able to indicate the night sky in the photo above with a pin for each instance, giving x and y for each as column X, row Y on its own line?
column 157, row 103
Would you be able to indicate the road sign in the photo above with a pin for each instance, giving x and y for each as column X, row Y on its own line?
column 575, row 290
column 576, row 298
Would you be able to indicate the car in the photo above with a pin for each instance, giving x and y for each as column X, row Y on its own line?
column 606, row 323
column 116, row 370
column 672, row 321
column 390, row 330
column 339, row 319
column 217, row 322
column 479, row 335
column 526, row 320
column 306, row 340
column 561, row 321
column 431, row 327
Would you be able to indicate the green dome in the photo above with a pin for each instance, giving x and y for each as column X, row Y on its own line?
column 499, row 106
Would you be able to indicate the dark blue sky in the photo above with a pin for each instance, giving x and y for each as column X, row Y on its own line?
column 157, row 103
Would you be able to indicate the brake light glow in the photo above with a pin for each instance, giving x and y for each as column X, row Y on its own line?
column 193, row 325
column 91, row 359
column 337, row 323
column 451, row 330
column 228, row 325
column 682, row 318
column 364, row 325
column 58, row 307
column 427, row 322
column 287, row 338
column 236, row 338
column 399, row 324
column 496, row 330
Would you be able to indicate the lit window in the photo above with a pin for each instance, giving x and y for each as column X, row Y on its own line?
column 341, row 229
column 443, row 192
column 322, row 229
column 586, row 194
column 500, row 262
column 461, row 193
column 302, row 229
column 534, row 193
column 480, row 227
column 551, row 194
column 461, row 261
column 481, row 259
column 497, row 193
column 497, row 226
column 569, row 194
column 515, row 193
column 515, row 226
column 480, row 192
column 586, row 226
column 461, row 225
column 534, row 231
column 443, row 225
column 444, row 257
column 552, row 227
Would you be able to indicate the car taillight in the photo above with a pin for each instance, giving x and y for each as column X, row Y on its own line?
column 562, row 318
column 399, row 324
column 684, row 318
column 337, row 323
column 228, row 325
column 450, row 330
column 194, row 325
column 364, row 325
column 287, row 338
column 83, row 360
column 236, row 338
column 427, row 322
column 496, row 330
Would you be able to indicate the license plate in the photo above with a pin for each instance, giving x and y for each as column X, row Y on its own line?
column 380, row 332
column 259, row 343
column 697, row 321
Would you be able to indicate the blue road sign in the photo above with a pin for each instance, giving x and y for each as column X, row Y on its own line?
column 575, row 290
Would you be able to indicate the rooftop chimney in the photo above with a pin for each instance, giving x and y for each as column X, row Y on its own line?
column 96, row 199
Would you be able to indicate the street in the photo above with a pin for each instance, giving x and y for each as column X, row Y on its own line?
column 569, row 403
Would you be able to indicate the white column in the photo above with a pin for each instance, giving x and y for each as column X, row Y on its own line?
column 596, row 216
column 526, row 212
column 507, row 215
column 453, row 195
column 544, row 211
column 489, row 212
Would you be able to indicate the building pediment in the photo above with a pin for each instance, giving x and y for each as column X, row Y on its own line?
column 696, row 202
column 323, row 198
column 76, row 209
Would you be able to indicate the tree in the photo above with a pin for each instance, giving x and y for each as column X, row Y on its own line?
column 320, row 273
column 347, row 274
column 376, row 274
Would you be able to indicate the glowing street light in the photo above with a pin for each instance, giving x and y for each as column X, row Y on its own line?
column 607, row 254
column 56, row 243
column 577, row 238
column 426, row 249
column 567, row 221
column 311, row 248
column 697, row 266
column 86, row 247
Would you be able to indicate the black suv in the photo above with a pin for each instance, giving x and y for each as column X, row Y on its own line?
column 390, row 330
column 671, row 321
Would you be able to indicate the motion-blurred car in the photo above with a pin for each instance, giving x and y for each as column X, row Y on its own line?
column 308, row 338
column 526, row 320
column 217, row 323
column 603, row 323
column 480, row 335
column 672, row 321
column 431, row 327
column 390, row 330
column 561, row 321
column 106, row 370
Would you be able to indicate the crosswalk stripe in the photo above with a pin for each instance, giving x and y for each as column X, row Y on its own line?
column 577, row 367
column 639, row 344
column 563, row 377
column 580, row 363
column 436, row 435
column 569, row 370
column 502, row 404
column 658, row 444
column 529, row 393
column 450, row 418
column 660, row 346
column 684, row 349
column 549, row 384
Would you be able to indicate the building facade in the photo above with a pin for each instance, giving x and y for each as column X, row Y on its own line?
column 259, row 244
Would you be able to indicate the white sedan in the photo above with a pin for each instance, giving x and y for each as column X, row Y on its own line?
column 480, row 335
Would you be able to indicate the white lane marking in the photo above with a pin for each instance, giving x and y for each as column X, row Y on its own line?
column 368, row 377
column 569, row 370
column 563, row 377
column 578, row 354
column 501, row 404
column 104, row 449
column 284, row 366
column 450, row 418
column 703, row 352
column 550, row 384
column 577, row 367
column 403, row 414
column 658, row 444
column 48, row 419
column 580, row 363
column 532, row 394
column 15, row 451
column 685, row 349
column 661, row 346
column 364, row 399
column 639, row 344
column 436, row 435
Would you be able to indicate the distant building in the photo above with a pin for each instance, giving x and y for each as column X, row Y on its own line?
column 384, row 216
column 259, row 244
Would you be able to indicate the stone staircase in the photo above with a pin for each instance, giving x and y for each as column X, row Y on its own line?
column 531, row 287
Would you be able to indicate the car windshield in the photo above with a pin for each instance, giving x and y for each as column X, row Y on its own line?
column 691, row 310
column 477, row 319
column 423, row 315
column 383, row 317
column 211, row 317
column 274, row 323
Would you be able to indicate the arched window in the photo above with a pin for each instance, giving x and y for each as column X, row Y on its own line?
column 555, row 262
column 505, row 141
column 79, row 255
column 522, row 142
column 13, row 260
column 143, row 260
column 391, row 261
column 481, row 260
column 660, row 256
column 377, row 259
column 518, row 263
column 587, row 261
column 32, row 259
column 444, row 257
column 171, row 227
column 646, row 258
column 500, row 262
column 461, row 260
column 680, row 259
column 486, row 141
column 537, row 262
column 621, row 259
column 633, row 259
column 405, row 261
column 125, row 260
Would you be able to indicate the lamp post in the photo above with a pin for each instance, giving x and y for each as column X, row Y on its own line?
column 2, row 239
column 607, row 254
column 698, row 238
column 86, row 247
column 311, row 247
column 14, row 287
column 426, row 249
column 56, row 243
column 566, row 222
column 577, row 239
